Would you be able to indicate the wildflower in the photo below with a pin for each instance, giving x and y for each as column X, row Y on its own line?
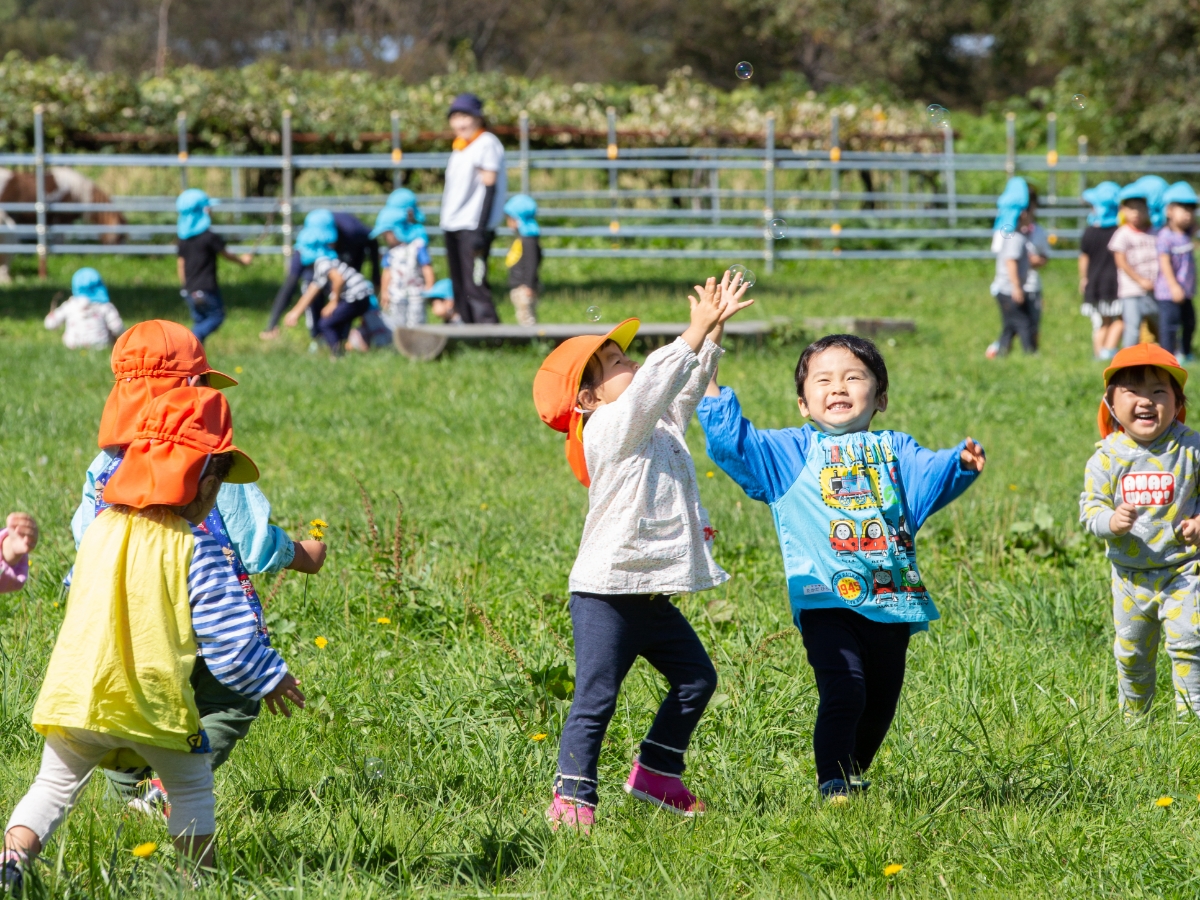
column 892, row 869
column 384, row 620
column 710, row 473
column 237, row 369
column 141, row 851
column 316, row 529
column 539, row 737
column 483, row 506
column 1012, row 487
column 1164, row 801
column 56, row 604
column 322, row 642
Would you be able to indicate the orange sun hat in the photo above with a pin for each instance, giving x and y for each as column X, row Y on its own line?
column 1139, row 355
column 556, row 387
column 167, row 456
column 148, row 359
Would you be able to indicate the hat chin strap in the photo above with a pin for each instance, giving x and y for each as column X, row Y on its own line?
column 1112, row 412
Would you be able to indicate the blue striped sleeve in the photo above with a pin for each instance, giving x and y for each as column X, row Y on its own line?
column 225, row 627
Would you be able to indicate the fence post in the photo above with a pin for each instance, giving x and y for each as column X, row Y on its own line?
column 236, row 190
column 285, row 208
column 1083, row 158
column 950, row 174
column 1010, row 143
column 39, row 163
column 523, row 122
column 612, row 172
column 835, row 156
column 397, row 153
column 1052, row 158
column 714, row 184
column 769, row 194
column 181, row 131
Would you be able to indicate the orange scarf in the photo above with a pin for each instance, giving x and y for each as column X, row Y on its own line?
column 464, row 143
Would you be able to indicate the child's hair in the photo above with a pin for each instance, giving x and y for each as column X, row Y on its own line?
column 219, row 466
column 1033, row 196
column 1137, row 376
column 1138, row 203
column 866, row 351
column 593, row 370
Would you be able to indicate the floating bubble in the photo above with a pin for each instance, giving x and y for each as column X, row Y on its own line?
column 937, row 114
column 778, row 228
column 747, row 276
column 744, row 70
column 1007, row 228
column 374, row 768
column 593, row 313
column 1079, row 101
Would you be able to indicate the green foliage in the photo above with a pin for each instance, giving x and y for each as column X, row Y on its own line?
column 1041, row 537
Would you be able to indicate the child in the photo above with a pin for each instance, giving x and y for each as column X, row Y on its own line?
column 93, row 323
column 645, row 538
column 1140, row 495
column 408, row 271
column 524, row 257
column 199, row 247
column 350, row 294
column 1019, row 314
column 153, row 591
column 1135, row 251
column 18, row 539
column 1176, row 282
column 441, row 301
column 1098, row 270
column 848, row 503
column 1037, row 247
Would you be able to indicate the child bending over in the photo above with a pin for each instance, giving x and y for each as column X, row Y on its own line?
column 350, row 294
column 91, row 321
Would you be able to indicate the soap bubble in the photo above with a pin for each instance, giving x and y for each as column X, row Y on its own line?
column 1007, row 228
column 744, row 70
column 1079, row 101
column 593, row 313
column 937, row 114
column 778, row 228
column 747, row 275
column 374, row 768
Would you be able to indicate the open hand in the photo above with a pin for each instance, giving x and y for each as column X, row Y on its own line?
column 288, row 690
column 292, row 319
column 1122, row 520
column 246, row 258
column 1189, row 531
column 733, row 288
column 22, row 537
column 972, row 456
column 706, row 305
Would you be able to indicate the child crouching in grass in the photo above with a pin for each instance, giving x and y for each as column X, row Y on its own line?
column 1140, row 495
column 151, row 590
column 646, row 537
column 92, row 322
column 847, row 503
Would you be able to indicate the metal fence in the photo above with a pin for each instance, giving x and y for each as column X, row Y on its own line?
column 703, row 221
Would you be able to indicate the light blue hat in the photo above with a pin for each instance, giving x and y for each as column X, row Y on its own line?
column 524, row 209
column 402, row 198
column 312, row 245
column 1180, row 192
column 86, row 282
column 1103, row 200
column 442, row 289
column 192, row 206
column 1011, row 204
column 321, row 223
column 1150, row 188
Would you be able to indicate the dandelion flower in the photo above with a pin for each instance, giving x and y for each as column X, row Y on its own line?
column 316, row 534
column 483, row 506
column 322, row 642
column 892, row 869
column 315, row 529
column 540, row 736
column 237, row 370
column 141, row 851
column 1164, row 801
column 710, row 474
column 1012, row 487
column 383, row 620
column 319, row 523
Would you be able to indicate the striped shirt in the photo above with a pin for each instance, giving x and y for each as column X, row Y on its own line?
column 225, row 626
column 354, row 286
column 1141, row 255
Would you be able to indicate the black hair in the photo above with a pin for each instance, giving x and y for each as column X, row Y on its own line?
column 593, row 370
column 1033, row 196
column 866, row 351
column 1137, row 376
column 219, row 466
column 1136, row 202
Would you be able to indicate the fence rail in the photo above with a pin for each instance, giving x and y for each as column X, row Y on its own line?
column 700, row 221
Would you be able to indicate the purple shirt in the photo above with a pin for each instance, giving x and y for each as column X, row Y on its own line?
column 12, row 578
column 1183, row 263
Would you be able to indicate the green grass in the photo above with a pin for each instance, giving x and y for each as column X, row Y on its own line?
column 1008, row 771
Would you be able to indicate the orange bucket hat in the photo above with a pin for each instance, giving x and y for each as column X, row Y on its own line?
column 1139, row 355
column 556, row 387
column 166, row 459
column 148, row 359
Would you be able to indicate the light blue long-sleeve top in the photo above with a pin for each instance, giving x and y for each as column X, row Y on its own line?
column 261, row 546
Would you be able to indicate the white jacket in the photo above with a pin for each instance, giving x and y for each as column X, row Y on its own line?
column 646, row 531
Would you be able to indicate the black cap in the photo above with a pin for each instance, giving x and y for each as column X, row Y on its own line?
column 467, row 103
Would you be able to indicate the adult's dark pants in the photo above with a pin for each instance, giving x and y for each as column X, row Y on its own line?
column 859, row 666
column 1020, row 320
column 335, row 327
column 468, row 273
column 1176, row 325
column 611, row 632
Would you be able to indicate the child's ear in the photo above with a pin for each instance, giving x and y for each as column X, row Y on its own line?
column 803, row 407
column 881, row 402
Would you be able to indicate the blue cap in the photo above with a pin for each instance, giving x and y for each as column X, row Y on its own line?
column 192, row 206
column 467, row 103
column 312, row 244
column 320, row 223
column 524, row 209
column 86, row 282
column 1150, row 188
column 1103, row 200
column 1011, row 203
column 442, row 289
column 1180, row 192
column 401, row 198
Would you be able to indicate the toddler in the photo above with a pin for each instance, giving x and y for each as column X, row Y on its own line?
column 646, row 537
column 524, row 257
column 847, row 503
column 1098, row 270
column 350, row 294
column 1135, row 251
column 1140, row 494
column 199, row 249
column 153, row 591
column 1176, row 282
column 92, row 322
column 1020, row 312
column 408, row 271
column 441, row 300
column 18, row 539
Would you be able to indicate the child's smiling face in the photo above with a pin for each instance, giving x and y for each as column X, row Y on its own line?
column 840, row 392
column 1147, row 408
column 612, row 372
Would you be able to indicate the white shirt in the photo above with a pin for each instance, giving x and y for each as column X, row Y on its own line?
column 89, row 325
column 462, row 198
column 646, row 531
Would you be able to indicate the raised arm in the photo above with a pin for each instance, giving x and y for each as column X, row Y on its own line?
column 933, row 478
column 765, row 464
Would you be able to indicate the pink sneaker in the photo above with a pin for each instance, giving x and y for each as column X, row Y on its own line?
column 665, row 791
column 567, row 812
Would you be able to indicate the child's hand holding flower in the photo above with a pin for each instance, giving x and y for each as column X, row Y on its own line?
column 21, row 539
column 972, row 456
column 1122, row 520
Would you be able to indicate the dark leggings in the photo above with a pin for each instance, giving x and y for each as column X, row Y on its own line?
column 335, row 327
column 472, row 297
column 1176, row 320
column 1019, row 320
column 859, row 665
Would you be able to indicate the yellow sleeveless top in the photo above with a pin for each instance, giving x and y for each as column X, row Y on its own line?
column 123, row 660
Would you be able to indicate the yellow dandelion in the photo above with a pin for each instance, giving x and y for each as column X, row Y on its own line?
column 540, row 736
column 383, row 620
column 316, row 534
column 322, row 642
column 483, row 506
column 56, row 604
column 1164, row 801
column 892, row 869
column 141, row 851
column 238, row 370
column 319, row 523
column 1012, row 487
column 710, row 474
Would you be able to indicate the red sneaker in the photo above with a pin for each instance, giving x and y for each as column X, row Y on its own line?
column 665, row 791
column 574, row 815
column 152, row 799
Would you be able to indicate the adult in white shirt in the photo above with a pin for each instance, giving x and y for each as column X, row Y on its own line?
column 472, row 207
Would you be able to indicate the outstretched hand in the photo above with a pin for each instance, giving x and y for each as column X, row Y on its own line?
column 972, row 456
column 706, row 313
column 21, row 539
column 733, row 288
column 288, row 690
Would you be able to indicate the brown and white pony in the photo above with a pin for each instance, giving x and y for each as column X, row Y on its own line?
column 63, row 185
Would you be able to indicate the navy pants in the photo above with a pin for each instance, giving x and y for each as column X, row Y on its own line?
column 208, row 312
column 1176, row 325
column 859, row 665
column 1020, row 320
column 611, row 632
column 335, row 327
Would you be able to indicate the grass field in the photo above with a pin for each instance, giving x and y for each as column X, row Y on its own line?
column 416, row 770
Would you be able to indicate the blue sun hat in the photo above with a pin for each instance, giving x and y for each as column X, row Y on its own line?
column 1011, row 204
column 1150, row 188
column 1103, row 200
column 524, row 209
column 321, row 224
column 1180, row 192
column 313, row 244
column 403, row 221
column 442, row 289
column 87, row 283
column 192, row 206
